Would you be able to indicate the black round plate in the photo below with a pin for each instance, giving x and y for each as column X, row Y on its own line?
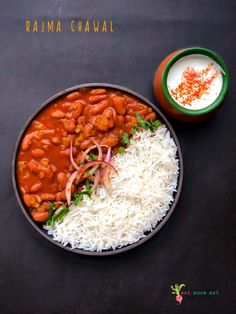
column 39, row 228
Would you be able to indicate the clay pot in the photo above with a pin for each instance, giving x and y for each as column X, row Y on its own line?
column 166, row 101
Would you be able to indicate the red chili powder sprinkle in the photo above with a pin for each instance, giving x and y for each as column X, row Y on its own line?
column 194, row 84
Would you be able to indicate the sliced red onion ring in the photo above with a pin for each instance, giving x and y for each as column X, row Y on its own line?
column 99, row 149
column 72, row 159
column 98, row 146
column 85, row 154
column 108, row 156
column 100, row 175
column 106, row 180
column 69, row 185
column 93, row 163
column 96, row 179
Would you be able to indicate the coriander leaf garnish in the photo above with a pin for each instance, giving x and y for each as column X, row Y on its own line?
column 125, row 138
column 59, row 217
column 142, row 124
column 88, row 188
column 51, row 211
column 56, row 218
column 156, row 123
column 148, row 124
column 89, row 174
column 78, row 197
column 135, row 129
column 121, row 150
column 124, row 142
column 92, row 157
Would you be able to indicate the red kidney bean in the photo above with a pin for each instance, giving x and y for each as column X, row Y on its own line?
column 136, row 106
column 118, row 132
column 87, row 111
column 36, row 187
column 87, row 130
column 78, row 104
column 31, row 200
column 44, row 162
column 69, row 115
column 66, row 152
column 73, row 96
column 61, row 196
column 66, row 105
column 98, row 91
column 56, row 140
column 92, row 120
column 46, row 141
column 53, row 168
column 111, row 140
column 111, row 114
column 97, row 98
column 62, row 179
column 37, row 153
column 58, row 114
column 121, row 120
column 102, row 123
column 57, row 204
column 35, row 167
column 71, row 125
column 76, row 113
column 40, row 217
column 27, row 141
column 151, row 116
column 130, row 119
column 81, row 120
column 119, row 104
column 45, row 206
column 98, row 108
column 48, row 197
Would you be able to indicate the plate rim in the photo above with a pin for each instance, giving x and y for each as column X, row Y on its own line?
column 129, row 246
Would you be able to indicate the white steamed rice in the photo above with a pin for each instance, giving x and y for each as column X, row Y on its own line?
column 140, row 197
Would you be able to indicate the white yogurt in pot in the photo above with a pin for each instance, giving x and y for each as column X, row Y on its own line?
column 195, row 81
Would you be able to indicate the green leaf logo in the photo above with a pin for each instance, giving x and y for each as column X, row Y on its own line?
column 175, row 289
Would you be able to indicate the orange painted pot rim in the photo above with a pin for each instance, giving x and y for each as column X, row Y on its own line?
column 224, row 89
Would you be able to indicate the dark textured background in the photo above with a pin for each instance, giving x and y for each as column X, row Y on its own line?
column 197, row 245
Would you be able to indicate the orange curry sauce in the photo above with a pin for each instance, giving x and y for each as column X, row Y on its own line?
column 43, row 162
